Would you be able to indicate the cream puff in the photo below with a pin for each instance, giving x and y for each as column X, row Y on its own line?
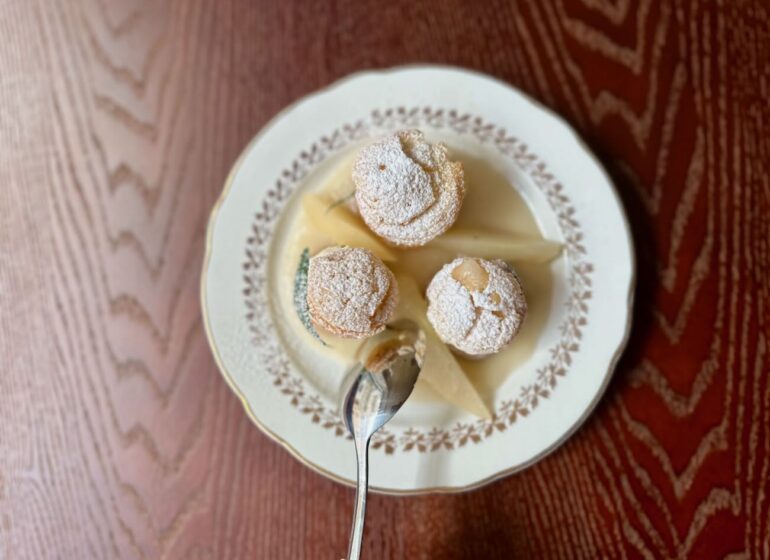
column 476, row 305
column 407, row 190
column 350, row 292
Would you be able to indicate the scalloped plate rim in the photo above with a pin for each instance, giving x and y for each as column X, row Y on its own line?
column 430, row 489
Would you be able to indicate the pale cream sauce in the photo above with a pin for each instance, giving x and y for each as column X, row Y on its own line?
column 491, row 203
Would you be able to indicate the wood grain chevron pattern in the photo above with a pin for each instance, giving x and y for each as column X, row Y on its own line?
column 118, row 123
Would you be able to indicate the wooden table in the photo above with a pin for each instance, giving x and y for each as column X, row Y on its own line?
column 118, row 123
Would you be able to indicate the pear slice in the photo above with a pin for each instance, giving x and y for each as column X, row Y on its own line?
column 492, row 245
column 341, row 226
column 440, row 369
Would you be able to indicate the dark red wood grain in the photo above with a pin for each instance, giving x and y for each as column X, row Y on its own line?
column 118, row 123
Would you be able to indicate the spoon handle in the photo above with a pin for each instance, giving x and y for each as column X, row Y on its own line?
column 359, row 515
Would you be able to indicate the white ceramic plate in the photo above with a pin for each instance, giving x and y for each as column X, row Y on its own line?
column 290, row 390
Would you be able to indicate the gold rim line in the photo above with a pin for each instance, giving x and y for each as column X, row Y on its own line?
column 285, row 444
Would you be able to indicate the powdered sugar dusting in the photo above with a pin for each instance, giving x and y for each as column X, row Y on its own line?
column 477, row 322
column 394, row 183
column 407, row 190
column 350, row 292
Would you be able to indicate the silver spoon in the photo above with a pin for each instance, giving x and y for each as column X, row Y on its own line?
column 376, row 389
